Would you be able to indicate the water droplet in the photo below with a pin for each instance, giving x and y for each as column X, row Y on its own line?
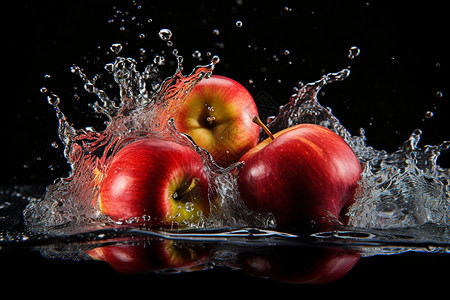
column 169, row 43
column 165, row 34
column 197, row 54
column 189, row 206
column 239, row 24
column 216, row 32
column 55, row 145
column 353, row 52
column 74, row 69
column 429, row 114
column 116, row 48
column 159, row 60
column 215, row 59
column 89, row 87
column 270, row 119
column 47, row 76
column 417, row 133
column 5, row 205
column 109, row 67
column 149, row 20
column 43, row 90
column 141, row 36
column 53, row 99
column 439, row 94
column 286, row 52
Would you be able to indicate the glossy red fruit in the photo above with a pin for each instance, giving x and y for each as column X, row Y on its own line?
column 306, row 174
column 160, row 182
column 218, row 114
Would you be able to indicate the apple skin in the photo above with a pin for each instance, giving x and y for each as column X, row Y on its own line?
column 306, row 175
column 300, row 265
column 231, row 132
column 144, row 175
column 153, row 255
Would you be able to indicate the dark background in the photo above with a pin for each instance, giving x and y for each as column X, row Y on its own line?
column 402, row 65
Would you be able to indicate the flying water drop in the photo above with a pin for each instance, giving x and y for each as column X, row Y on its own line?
column 353, row 52
column 116, row 48
column 197, row 54
column 165, row 34
column 429, row 114
column 215, row 59
column 53, row 100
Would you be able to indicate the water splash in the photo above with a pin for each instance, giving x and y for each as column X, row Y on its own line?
column 304, row 107
column 405, row 188
column 140, row 112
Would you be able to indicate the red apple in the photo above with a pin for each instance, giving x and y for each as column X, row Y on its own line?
column 152, row 255
column 305, row 265
column 218, row 114
column 306, row 174
column 156, row 179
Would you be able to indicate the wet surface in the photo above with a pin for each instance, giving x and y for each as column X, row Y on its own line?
column 235, row 256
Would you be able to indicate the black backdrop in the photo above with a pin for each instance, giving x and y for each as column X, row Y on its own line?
column 402, row 65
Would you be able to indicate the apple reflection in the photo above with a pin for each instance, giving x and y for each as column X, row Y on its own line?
column 305, row 265
column 155, row 255
column 290, row 264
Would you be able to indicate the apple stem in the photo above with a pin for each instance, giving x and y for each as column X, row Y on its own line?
column 258, row 121
column 193, row 184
